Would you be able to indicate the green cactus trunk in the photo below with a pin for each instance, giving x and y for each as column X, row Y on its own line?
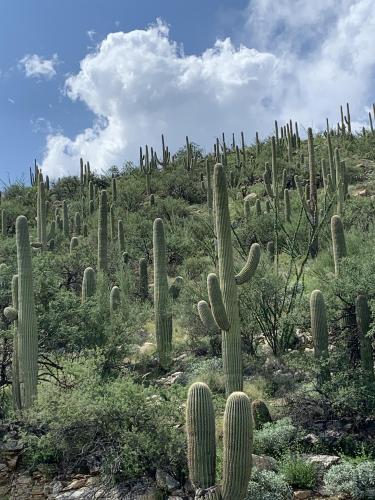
column 163, row 317
column 114, row 190
column 201, row 439
column 338, row 241
column 231, row 339
column 74, row 242
column 237, row 441
column 143, row 279
column 115, row 300
column 16, row 389
column 112, row 222
column 363, row 321
column 4, row 223
column 103, row 232
column 287, row 210
column 88, row 284
column 319, row 332
column 27, row 325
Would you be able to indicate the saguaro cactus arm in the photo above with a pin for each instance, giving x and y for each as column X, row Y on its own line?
column 206, row 317
column 216, row 301
column 247, row 272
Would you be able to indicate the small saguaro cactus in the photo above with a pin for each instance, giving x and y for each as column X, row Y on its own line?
column 338, row 241
column 319, row 331
column 223, row 297
column 103, row 232
column 115, row 299
column 237, row 444
column 88, row 284
column 143, row 278
column 26, row 317
column 247, row 208
column 74, row 242
column 363, row 314
column 163, row 316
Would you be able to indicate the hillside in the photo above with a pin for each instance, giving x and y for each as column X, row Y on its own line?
column 164, row 322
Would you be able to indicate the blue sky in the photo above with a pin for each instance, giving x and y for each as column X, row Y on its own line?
column 99, row 78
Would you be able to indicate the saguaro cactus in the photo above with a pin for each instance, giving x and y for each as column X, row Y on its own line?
column 237, row 453
column 77, row 224
column 114, row 190
column 115, row 299
column 65, row 219
column 313, row 195
column 74, row 242
column 338, row 241
column 287, row 205
column 103, row 232
column 88, row 284
column 16, row 389
column 143, row 278
column 223, row 298
column 319, row 331
column 363, row 321
column 25, row 313
column 163, row 317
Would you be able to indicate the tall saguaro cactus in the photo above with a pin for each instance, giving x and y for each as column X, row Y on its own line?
column 16, row 389
column 223, row 296
column 163, row 317
column 338, row 241
column 237, row 453
column 24, row 313
column 103, row 232
column 363, row 321
column 319, row 331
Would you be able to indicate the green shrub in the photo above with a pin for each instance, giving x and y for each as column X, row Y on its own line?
column 121, row 426
column 275, row 438
column 267, row 485
column 298, row 473
column 358, row 481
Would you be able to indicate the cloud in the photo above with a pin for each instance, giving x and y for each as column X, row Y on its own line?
column 91, row 34
column 141, row 84
column 11, row 101
column 36, row 66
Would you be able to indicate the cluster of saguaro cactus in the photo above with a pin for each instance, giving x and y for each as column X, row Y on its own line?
column 223, row 296
column 103, row 232
column 147, row 164
column 163, row 316
column 23, row 310
column 191, row 158
column 345, row 122
column 237, row 444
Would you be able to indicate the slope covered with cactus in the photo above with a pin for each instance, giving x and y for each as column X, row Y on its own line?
column 149, row 312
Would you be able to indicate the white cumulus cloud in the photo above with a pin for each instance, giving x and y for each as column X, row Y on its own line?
column 141, row 84
column 36, row 66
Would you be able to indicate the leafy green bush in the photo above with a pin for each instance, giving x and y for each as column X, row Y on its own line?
column 267, row 485
column 358, row 481
column 275, row 437
column 115, row 423
column 298, row 473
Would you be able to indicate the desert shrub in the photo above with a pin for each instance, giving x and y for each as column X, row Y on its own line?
column 275, row 437
column 117, row 424
column 267, row 485
column 209, row 371
column 358, row 481
column 297, row 472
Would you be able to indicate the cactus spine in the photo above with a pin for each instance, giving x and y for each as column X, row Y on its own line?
column 88, row 284
column 319, row 331
column 103, row 232
column 237, row 454
column 163, row 318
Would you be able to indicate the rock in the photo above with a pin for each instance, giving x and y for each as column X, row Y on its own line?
column 171, row 379
column 165, row 481
column 252, row 197
column 147, row 348
column 263, row 462
column 12, row 462
column 303, row 494
column 323, row 461
column 76, row 484
column 311, row 439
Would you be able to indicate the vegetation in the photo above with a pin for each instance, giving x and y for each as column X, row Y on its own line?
column 186, row 312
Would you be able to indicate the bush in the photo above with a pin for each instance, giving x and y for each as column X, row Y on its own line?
column 116, row 424
column 267, row 485
column 275, row 437
column 298, row 473
column 358, row 481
